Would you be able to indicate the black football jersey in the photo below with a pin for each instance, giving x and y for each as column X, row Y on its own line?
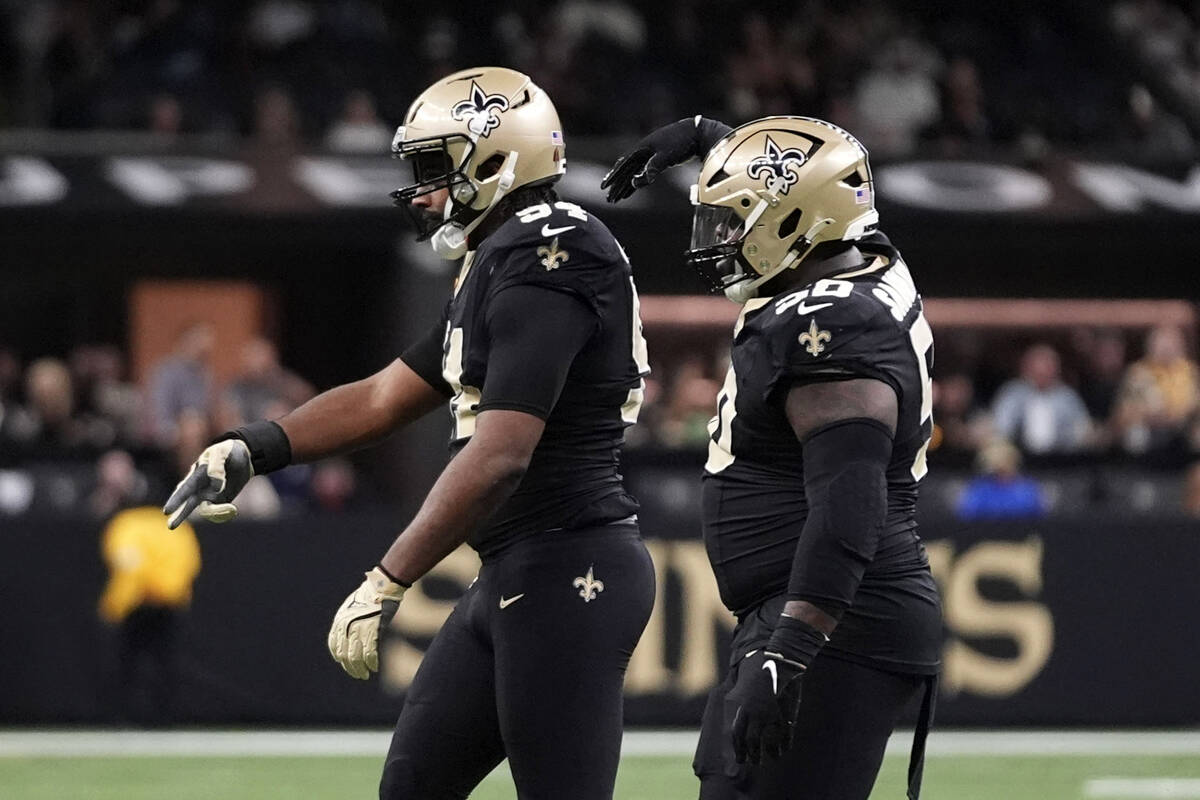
column 573, row 479
column 865, row 323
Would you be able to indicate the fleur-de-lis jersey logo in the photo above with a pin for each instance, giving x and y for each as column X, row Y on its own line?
column 813, row 338
column 552, row 257
column 480, row 110
column 776, row 164
column 588, row 586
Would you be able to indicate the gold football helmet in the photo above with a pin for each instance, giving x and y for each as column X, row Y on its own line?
column 481, row 133
column 771, row 191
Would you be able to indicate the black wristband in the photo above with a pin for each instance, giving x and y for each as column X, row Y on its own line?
column 269, row 446
column 795, row 640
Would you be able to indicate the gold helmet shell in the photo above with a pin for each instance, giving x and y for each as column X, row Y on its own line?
column 771, row 191
column 481, row 133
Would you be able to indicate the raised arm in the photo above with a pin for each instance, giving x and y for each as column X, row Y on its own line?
column 666, row 147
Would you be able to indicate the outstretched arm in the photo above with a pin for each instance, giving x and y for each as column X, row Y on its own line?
column 335, row 421
column 356, row 414
column 366, row 411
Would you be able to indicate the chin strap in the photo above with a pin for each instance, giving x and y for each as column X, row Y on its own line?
column 743, row 291
column 450, row 240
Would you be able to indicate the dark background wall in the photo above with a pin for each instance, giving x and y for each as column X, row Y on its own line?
column 1070, row 620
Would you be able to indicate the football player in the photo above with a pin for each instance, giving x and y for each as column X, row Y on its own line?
column 540, row 354
column 817, row 448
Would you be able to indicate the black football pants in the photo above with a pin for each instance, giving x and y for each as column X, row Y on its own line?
column 529, row 666
column 847, row 712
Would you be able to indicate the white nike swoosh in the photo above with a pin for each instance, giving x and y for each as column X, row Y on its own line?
column 547, row 231
column 770, row 667
column 505, row 602
column 803, row 309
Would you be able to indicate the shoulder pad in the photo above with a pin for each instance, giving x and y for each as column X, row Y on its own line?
column 846, row 303
column 557, row 245
column 833, row 327
column 580, row 236
column 552, row 243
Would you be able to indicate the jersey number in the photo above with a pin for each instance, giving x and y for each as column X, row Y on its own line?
column 543, row 210
column 824, row 288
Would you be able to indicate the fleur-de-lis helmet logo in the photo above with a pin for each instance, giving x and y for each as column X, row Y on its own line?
column 480, row 110
column 777, row 164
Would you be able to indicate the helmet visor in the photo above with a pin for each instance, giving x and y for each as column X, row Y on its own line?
column 717, row 233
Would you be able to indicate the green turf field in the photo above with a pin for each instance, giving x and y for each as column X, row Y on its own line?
column 656, row 778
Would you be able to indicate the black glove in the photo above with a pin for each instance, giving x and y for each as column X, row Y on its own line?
column 767, row 692
column 666, row 147
column 767, row 695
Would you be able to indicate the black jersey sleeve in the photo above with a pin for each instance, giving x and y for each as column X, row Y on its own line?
column 424, row 356
column 535, row 332
column 708, row 133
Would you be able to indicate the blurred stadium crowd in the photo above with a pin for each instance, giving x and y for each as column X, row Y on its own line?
column 1096, row 396
column 102, row 443
column 905, row 76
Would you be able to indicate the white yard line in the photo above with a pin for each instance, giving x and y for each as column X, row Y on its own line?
column 1054, row 743
column 232, row 744
column 109, row 743
column 1142, row 787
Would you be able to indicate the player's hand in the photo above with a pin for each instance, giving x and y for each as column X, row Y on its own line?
column 767, row 696
column 216, row 477
column 354, row 637
column 669, row 145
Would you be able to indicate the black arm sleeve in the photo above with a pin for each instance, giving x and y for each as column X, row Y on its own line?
column 535, row 333
column 424, row 357
column 845, row 482
column 708, row 133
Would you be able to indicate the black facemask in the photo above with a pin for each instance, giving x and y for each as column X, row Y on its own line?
column 432, row 169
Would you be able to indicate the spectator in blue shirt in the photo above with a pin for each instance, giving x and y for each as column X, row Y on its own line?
column 1000, row 491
